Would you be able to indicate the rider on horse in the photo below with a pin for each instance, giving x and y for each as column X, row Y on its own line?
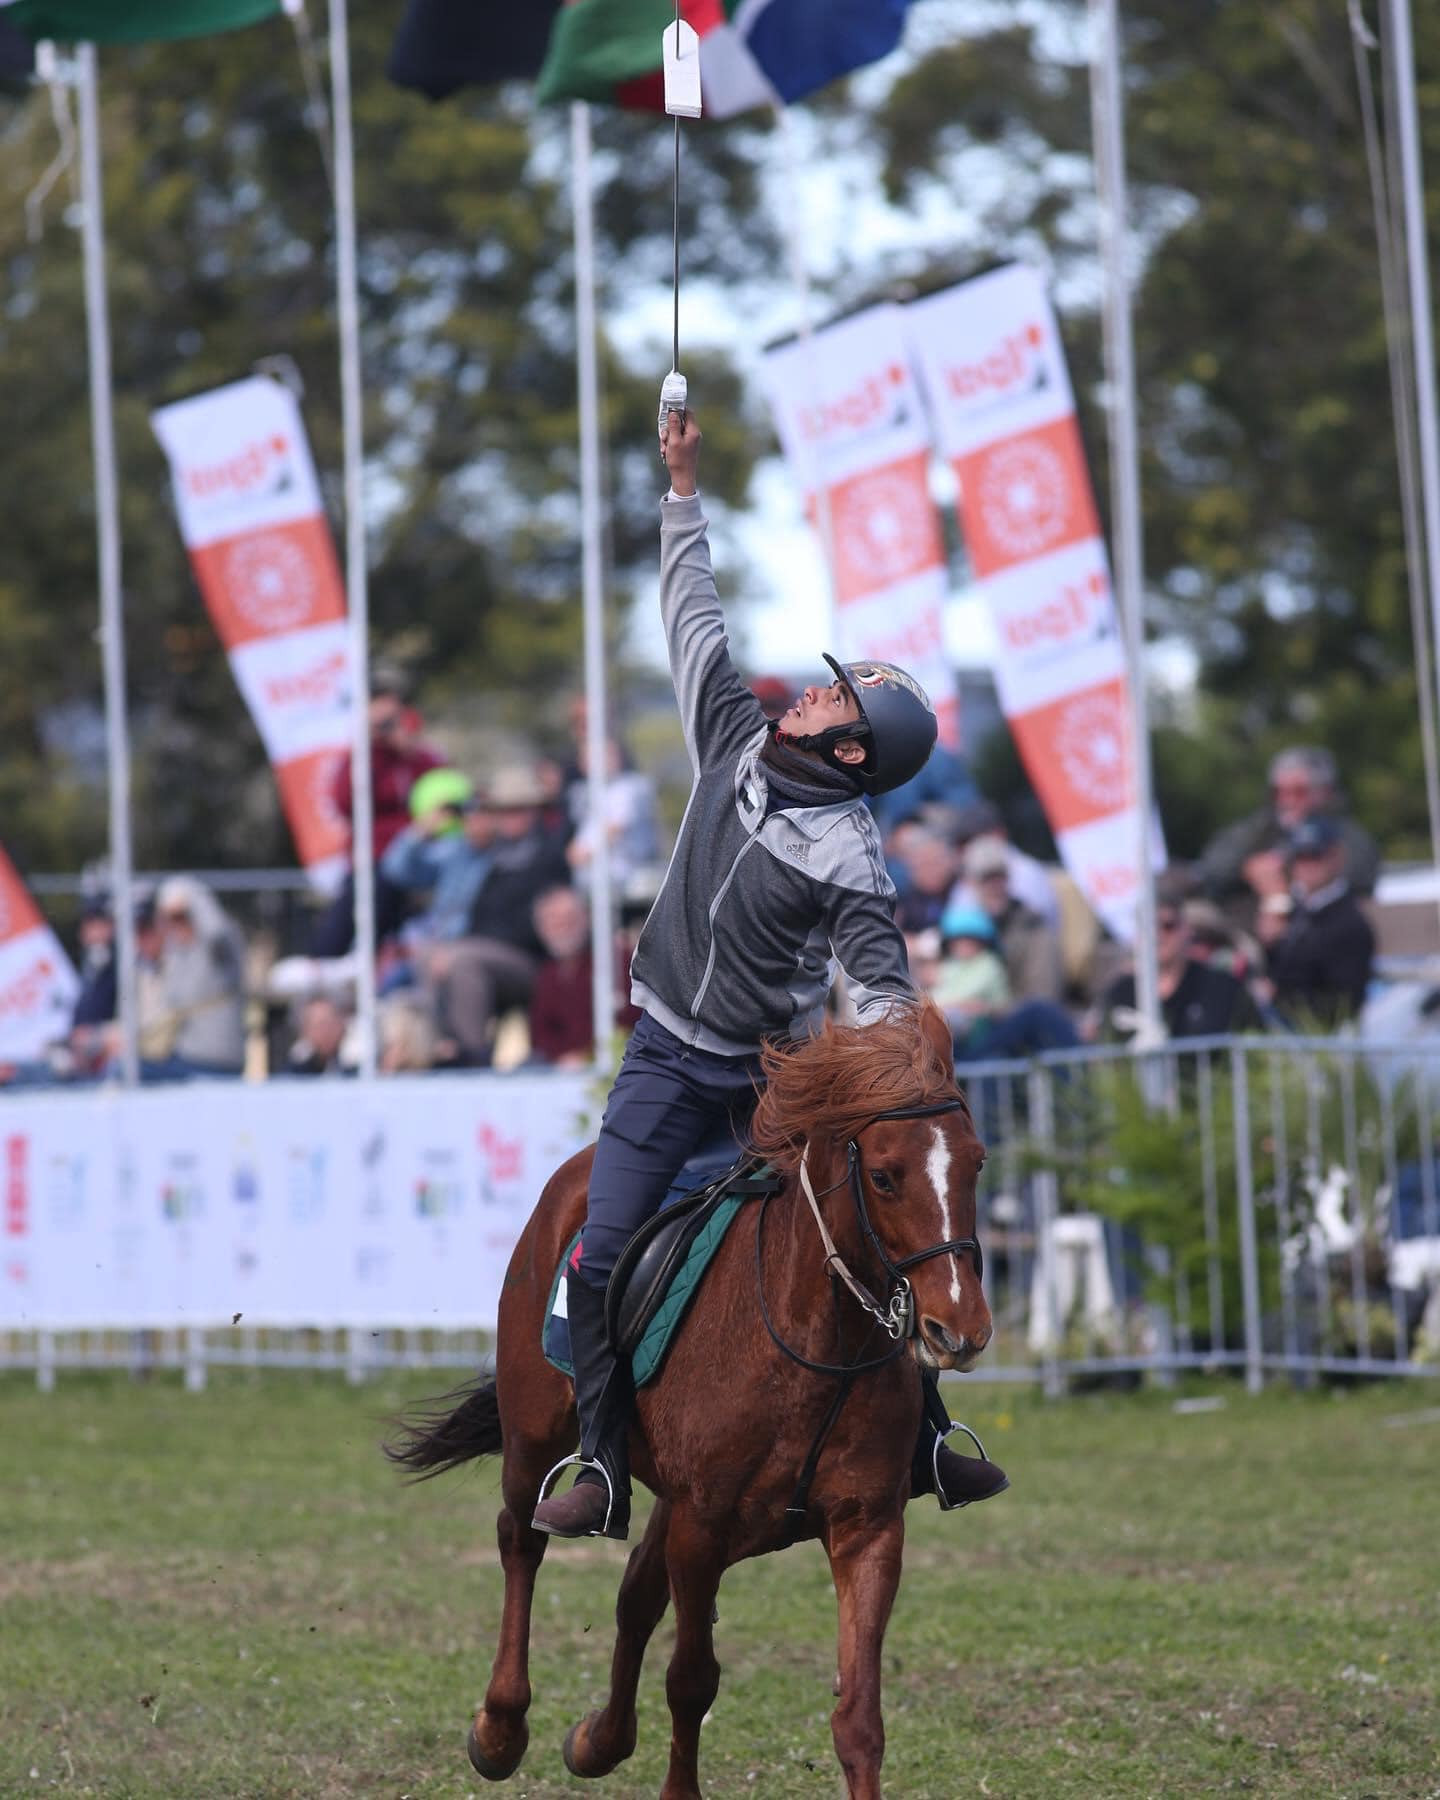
column 777, row 867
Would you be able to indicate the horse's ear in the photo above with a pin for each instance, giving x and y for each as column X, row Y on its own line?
column 935, row 1028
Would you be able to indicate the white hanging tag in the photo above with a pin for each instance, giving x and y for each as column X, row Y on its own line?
column 682, row 70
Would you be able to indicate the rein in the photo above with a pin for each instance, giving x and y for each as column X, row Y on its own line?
column 897, row 1316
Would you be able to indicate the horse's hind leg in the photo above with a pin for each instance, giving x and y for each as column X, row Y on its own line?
column 604, row 1738
column 695, row 1558
column 499, row 1733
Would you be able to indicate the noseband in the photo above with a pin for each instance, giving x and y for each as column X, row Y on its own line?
column 897, row 1316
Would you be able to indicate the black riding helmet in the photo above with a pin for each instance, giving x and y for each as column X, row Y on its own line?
column 897, row 726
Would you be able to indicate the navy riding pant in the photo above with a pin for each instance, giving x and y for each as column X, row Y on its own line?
column 669, row 1100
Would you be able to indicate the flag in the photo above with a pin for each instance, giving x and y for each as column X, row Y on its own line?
column 250, row 512
column 135, row 22
column 37, row 983
column 752, row 52
column 444, row 45
column 992, row 362
column 17, row 54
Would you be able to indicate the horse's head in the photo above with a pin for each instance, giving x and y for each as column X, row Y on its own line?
column 916, row 1177
column 879, row 1110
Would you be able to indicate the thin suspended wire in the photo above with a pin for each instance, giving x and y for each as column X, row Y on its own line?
column 675, row 223
column 1384, row 188
column 317, row 111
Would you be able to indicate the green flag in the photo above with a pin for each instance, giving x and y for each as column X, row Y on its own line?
column 603, row 49
column 133, row 21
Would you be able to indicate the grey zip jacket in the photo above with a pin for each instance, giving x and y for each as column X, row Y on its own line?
column 754, row 911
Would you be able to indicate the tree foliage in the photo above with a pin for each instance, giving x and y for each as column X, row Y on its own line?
column 220, row 253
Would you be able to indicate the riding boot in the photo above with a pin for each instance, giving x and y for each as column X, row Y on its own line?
column 934, row 1469
column 598, row 1505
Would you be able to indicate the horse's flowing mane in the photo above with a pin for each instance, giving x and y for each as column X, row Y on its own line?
column 829, row 1086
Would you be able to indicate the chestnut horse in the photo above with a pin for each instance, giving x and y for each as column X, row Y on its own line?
column 880, row 1160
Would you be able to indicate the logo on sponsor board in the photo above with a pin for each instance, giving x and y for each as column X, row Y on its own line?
column 1091, row 744
column 879, row 401
column 1066, row 616
column 258, row 469
column 884, row 529
column 17, row 1185
column 270, row 581
column 1012, row 369
column 1024, row 498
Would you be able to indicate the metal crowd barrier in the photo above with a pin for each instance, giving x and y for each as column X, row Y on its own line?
column 1268, row 1206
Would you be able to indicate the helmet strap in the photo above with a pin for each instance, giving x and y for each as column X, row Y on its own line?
column 823, row 743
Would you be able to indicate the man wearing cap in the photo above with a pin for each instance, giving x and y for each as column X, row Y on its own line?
column 492, row 967
column 1318, row 943
column 444, row 852
column 777, row 875
column 1246, row 862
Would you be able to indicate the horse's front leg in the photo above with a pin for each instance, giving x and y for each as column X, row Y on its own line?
column 865, row 1563
column 499, row 1733
column 695, row 1557
column 604, row 1738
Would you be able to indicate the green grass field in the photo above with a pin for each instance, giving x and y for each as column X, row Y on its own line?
column 231, row 1594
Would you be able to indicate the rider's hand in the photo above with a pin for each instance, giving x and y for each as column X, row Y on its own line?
column 680, row 445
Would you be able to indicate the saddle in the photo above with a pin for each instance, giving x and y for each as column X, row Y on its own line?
column 660, row 1268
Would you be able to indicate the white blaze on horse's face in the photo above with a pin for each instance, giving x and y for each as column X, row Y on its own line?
column 937, row 1167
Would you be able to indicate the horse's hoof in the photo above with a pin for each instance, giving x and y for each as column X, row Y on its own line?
column 578, row 1758
column 496, row 1768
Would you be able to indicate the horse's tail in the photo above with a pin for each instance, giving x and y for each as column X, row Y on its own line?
column 440, row 1435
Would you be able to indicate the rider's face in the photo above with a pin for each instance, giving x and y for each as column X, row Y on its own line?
column 820, row 707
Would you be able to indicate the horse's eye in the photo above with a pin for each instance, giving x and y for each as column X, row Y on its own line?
column 881, row 1182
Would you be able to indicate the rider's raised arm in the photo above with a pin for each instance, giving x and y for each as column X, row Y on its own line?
column 717, row 710
column 859, row 912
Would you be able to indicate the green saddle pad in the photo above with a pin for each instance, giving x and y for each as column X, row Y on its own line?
column 660, row 1332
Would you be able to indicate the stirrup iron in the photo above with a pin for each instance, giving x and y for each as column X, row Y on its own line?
column 585, row 1462
column 935, row 1449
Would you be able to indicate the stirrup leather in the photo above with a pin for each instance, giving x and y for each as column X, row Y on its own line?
column 585, row 1462
column 947, row 1505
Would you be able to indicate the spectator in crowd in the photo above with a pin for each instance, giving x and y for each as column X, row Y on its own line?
column 1246, row 864
column 929, row 868
column 969, row 985
column 398, row 758
column 1196, row 998
column 1030, row 881
column 472, row 979
column 320, row 1046
column 407, row 1036
column 630, row 817
column 197, row 1024
column 562, row 1004
column 444, row 852
column 1318, row 943
column 1028, row 945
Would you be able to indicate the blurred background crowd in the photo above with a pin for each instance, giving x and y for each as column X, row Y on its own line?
column 484, row 945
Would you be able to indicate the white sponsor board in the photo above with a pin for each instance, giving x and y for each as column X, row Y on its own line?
column 323, row 1203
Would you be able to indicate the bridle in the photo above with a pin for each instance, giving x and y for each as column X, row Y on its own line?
column 897, row 1316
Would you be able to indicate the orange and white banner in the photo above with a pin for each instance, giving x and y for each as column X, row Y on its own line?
column 252, row 520
column 38, row 985
column 994, row 370
column 850, row 421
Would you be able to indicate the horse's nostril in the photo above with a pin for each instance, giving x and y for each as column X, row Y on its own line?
column 940, row 1336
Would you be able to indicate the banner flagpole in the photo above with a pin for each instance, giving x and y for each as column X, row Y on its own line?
column 602, row 928
column 1402, row 54
column 1108, row 116
column 107, row 526
column 362, row 850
